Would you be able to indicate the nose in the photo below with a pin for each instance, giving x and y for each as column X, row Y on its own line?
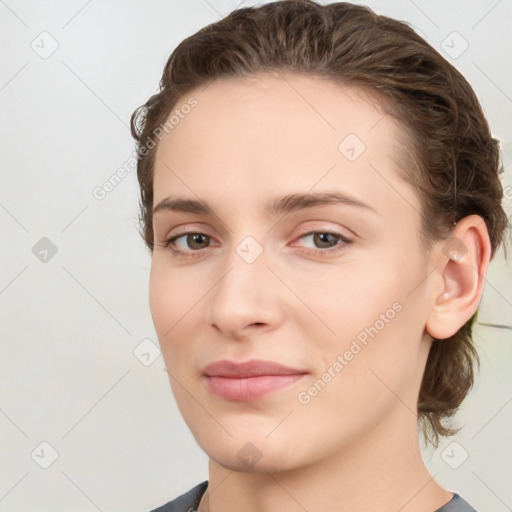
column 245, row 300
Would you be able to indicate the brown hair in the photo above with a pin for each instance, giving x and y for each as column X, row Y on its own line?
column 449, row 155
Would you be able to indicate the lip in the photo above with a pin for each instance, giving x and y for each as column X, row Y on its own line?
column 252, row 368
column 249, row 380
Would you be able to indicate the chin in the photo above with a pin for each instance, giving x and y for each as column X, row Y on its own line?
column 267, row 462
column 251, row 453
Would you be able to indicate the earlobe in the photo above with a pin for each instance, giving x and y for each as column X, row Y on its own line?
column 462, row 263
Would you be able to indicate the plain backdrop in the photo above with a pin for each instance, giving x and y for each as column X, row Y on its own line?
column 87, row 418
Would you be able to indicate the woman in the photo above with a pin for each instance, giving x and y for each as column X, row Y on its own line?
column 320, row 195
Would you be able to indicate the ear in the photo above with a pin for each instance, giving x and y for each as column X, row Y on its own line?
column 462, row 263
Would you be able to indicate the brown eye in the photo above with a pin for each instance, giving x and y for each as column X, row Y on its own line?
column 186, row 244
column 324, row 243
column 197, row 240
column 325, row 240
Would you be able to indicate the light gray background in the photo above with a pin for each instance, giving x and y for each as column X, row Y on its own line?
column 70, row 325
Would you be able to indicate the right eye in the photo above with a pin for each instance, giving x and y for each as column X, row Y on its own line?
column 190, row 242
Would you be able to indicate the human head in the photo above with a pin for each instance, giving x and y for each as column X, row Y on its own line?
column 448, row 154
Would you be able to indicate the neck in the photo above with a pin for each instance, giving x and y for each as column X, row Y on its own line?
column 385, row 470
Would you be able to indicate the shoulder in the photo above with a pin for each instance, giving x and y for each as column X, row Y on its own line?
column 187, row 502
column 456, row 504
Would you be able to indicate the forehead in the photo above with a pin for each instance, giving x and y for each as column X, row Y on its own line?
column 291, row 105
column 277, row 133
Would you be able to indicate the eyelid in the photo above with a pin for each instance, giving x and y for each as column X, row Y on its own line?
column 187, row 228
column 319, row 226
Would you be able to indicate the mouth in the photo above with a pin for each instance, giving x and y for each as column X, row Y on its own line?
column 250, row 380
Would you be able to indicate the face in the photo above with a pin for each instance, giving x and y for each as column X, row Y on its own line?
column 303, row 249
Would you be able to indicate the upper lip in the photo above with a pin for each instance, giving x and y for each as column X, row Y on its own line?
column 252, row 368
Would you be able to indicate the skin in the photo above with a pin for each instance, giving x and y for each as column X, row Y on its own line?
column 355, row 444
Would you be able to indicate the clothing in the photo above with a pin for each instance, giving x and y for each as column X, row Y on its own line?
column 189, row 501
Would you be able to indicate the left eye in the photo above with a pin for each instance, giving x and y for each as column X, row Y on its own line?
column 325, row 239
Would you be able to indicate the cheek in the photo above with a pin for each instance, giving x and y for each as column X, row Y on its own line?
column 169, row 304
column 174, row 308
column 169, row 297
column 161, row 302
column 375, row 326
column 363, row 378
column 342, row 301
column 177, row 302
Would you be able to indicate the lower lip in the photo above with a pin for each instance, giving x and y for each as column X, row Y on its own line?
column 250, row 388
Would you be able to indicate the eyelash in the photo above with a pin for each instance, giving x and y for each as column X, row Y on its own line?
column 319, row 252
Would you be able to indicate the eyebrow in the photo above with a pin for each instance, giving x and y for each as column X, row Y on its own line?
column 280, row 205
